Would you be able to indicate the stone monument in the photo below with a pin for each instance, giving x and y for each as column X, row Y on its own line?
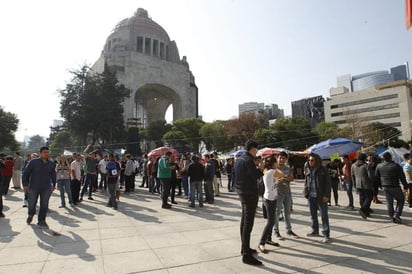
column 148, row 63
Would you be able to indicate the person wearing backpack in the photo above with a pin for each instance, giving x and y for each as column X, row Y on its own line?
column 112, row 177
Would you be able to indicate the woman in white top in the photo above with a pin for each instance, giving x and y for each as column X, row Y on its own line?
column 63, row 180
column 270, row 177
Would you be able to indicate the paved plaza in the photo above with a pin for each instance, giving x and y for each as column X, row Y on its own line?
column 141, row 237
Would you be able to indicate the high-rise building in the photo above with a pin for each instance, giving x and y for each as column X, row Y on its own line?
column 372, row 79
column 272, row 110
column 311, row 109
column 389, row 103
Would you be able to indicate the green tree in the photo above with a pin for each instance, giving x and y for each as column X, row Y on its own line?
column 214, row 136
column 265, row 137
column 91, row 105
column 190, row 128
column 175, row 138
column 294, row 133
column 8, row 126
column 327, row 130
column 155, row 131
column 62, row 140
column 36, row 142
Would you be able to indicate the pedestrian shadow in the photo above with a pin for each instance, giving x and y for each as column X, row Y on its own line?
column 65, row 220
column 347, row 254
column 133, row 211
column 211, row 214
column 73, row 245
column 6, row 232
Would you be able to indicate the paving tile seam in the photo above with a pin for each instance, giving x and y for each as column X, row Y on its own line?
column 183, row 265
column 348, row 259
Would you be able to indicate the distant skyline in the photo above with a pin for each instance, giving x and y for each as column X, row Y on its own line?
column 239, row 51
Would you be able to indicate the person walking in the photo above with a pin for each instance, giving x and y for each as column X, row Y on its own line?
column 164, row 173
column 39, row 179
column 17, row 170
column 389, row 174
column 246, row 176
column 112, row 173
column 7, row 173
column 284, row 196
column 347, row 179
column 63, row 180
column 363, row 184
column 91, row 174
column 196, row 175
column 210, row 174
column 76, row 176
column 407, row 169
column 270, row 178
column 2, row 165
column 317, row 190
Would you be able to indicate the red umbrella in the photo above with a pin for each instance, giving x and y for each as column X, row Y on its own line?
column 269, row 151
column 160, row 151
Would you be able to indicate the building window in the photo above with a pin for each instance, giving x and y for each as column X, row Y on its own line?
column 365, row 110
column 147, row 45
column 109, row 45
column 139, row 46
column 167, row 52
column 365, row 101
column 376, row 117
column 155, row 48
column 162, row 49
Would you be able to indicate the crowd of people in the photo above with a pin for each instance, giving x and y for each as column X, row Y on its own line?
column 365, row 174
column 198, row 177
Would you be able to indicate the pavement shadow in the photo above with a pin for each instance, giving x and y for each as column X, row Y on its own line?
column 211, row 214
column 6, row 232
column 74, row 245
column 345, row 252
column 134, row 211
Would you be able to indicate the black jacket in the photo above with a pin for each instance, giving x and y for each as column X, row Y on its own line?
column 196, row 172
column 389, row 174
column 322, row 180
column 246, row 175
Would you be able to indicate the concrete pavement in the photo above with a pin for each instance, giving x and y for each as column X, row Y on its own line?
column 141, row 237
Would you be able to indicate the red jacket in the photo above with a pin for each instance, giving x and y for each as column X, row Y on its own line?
column 8, row 170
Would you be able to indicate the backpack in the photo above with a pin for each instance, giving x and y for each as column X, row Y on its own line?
column 112, row 169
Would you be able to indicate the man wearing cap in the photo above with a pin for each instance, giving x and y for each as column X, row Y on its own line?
column 39, row 179
column 245, row 183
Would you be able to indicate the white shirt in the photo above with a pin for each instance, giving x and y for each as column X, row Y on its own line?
column 269, row 180
column 102, row 166
column 76, row 167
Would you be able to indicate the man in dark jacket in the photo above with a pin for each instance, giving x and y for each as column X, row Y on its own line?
column 363, row 184
column 317, row 190
column 246, row 185
column 196, row 174
column 210, row 172
column 389, row 174
column 39, row 179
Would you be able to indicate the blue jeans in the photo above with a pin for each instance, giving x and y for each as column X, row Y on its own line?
column 348, row 187
column 286, row 201
column 271, row 213
column 88, row 182
column 185, row 183
column 112, row 195
column 44, row 194
column 196, row 188
column 64, row 185
column 314, row 206
column 390, row 194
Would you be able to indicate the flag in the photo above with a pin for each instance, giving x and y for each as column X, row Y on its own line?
column 334, row 156
column 408, row 10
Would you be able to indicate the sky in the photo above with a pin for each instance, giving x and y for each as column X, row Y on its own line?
column 270, row 51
